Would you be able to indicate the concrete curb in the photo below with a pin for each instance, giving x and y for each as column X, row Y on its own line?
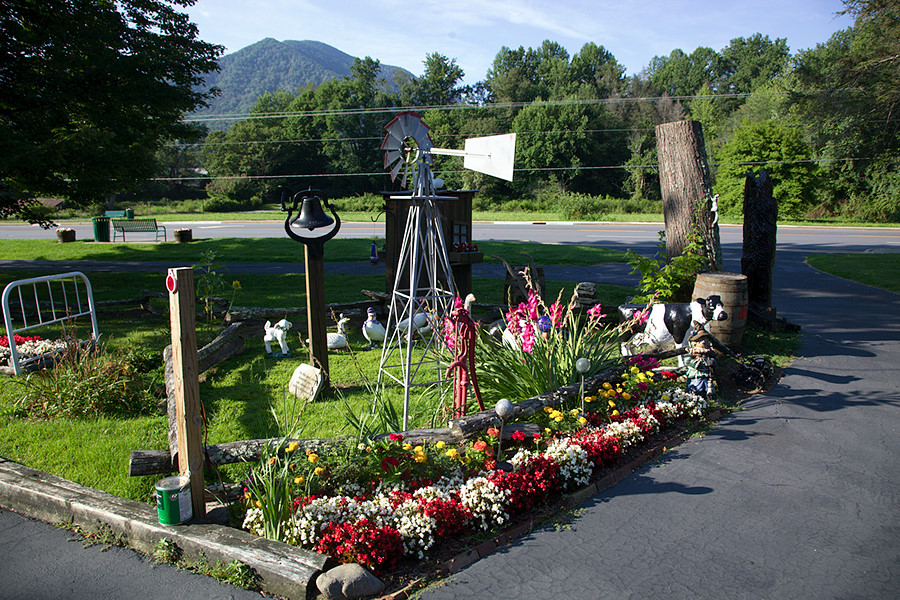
column 283, row 570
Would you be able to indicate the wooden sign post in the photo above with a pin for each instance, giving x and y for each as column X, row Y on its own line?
column 188, row 421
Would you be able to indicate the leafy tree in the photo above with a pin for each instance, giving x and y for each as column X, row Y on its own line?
column 778, row 149
column 252, row 147
column 847, row 95
column 89, row 91
column 596, row 67
column 681, row 75
column 438, row 85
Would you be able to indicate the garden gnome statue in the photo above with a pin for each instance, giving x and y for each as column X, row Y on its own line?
column 462, row 342
column 699, row 363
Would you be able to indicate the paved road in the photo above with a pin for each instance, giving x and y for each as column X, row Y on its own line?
column 612, row 235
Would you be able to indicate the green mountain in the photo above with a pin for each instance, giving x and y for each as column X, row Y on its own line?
column 269, row 65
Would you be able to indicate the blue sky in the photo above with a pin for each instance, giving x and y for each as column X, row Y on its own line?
column 401, row 33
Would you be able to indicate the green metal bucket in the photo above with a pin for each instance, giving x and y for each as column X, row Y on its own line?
column 173, row 500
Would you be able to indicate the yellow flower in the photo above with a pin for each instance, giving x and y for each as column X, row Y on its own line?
column 452, row 453
column 319, row 470
column 615, row 413
column 420, row 457
column 272, row 460
column 559, row 419
column 258, row 504
column 235, row 285
column 418, row 449
column 313, row 458
column 309, row 451
column 607, row 385
column 583, row 421
column 548, row 409
column 626, row 395
column 407, row 447
column 299, row 479
column 440, row 445
column 611, row 404
column 589, row 398
column 547, row 430
column 649, row 374
column 635, row 370
column 665, row 397
column 574, row 412
column 291, row 447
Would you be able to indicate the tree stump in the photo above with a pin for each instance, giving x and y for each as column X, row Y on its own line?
column 760, row 227
column 685, row 185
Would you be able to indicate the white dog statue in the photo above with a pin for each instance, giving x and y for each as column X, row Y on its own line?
column 277, row 333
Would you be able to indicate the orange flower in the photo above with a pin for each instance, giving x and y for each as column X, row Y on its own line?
column 480, row 445
column 493, row 432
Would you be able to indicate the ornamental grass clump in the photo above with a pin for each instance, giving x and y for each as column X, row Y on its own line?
column 538, row 351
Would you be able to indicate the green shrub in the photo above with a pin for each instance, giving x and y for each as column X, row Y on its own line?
column 671, row 281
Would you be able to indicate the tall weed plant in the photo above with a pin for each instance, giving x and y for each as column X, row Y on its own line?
column 85, row 381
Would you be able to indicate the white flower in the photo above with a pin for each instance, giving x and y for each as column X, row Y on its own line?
column 485, row 501
column 574, row 466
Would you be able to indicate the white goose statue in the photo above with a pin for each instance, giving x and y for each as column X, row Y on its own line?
column 372, row 330
column 338, row 341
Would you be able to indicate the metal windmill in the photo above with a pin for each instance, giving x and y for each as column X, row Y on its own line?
column 424, row 290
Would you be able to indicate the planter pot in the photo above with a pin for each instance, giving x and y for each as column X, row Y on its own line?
column 65, row 237
column 183, row 236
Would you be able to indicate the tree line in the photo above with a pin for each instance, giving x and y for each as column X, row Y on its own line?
column 821, row 122
column 85, row 115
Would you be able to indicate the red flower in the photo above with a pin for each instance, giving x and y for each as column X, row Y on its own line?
column 518, row 435
column 396, row 437
column 480, row 445
column 389, row 463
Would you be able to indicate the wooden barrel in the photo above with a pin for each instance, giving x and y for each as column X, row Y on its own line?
column 732, row 288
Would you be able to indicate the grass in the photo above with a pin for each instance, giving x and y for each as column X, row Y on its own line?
column 265, row 250
column 238, row 394
column 877, row 270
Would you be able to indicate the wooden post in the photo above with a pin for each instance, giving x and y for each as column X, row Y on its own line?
column 685, row 184
column 315, row 314
column 188, row 421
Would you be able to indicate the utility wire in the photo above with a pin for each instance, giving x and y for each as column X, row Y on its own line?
column 519, row 170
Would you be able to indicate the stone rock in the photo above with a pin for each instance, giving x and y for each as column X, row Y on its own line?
column 348, row 581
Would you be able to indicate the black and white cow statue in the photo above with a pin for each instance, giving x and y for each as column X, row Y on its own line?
column 668, row 323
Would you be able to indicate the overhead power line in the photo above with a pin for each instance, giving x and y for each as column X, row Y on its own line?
column 520, row 170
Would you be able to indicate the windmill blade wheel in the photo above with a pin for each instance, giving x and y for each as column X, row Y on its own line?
column 407, row 137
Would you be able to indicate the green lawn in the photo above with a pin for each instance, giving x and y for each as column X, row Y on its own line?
column 282, row 250
column 239, row 393
column 878, row 270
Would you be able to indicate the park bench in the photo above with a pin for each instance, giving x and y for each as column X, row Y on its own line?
column 120, row 226
column 116, row 214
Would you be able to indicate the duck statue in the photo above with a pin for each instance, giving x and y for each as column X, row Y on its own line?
column 373, row 330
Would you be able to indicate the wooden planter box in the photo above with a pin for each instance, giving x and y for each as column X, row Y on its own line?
column 65, row 237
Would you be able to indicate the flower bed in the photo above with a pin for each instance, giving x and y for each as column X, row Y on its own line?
column 384, row 502
column 28, row 346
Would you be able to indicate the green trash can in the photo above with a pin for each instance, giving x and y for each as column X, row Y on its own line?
column 101, row 229
column 129, row 213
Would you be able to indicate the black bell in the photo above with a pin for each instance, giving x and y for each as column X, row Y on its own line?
column 312, row 216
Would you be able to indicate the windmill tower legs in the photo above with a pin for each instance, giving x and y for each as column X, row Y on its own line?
column 422, row 296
